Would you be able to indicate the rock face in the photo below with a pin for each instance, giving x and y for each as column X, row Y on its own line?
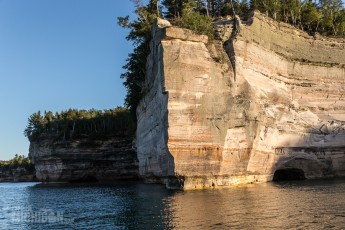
column 84, row 160
column 19, row 174
column 286, row 110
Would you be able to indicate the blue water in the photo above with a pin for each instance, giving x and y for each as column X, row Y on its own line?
column 315, row 204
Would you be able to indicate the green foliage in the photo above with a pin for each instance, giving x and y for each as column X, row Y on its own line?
column 310, row 16
column 294, row 11
column 75, row 123
column 322, row 16
column 173, row 8
column 195, row 21
column 35, row 126
column 340, row 22
column 19, row 161
column 140, row 35
column 331, row 13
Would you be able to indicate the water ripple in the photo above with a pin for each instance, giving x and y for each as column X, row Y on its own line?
column 289, row 205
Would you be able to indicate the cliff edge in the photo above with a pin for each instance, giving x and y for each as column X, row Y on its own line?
column 285, row 112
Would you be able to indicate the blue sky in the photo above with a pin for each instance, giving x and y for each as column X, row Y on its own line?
column 55, row 55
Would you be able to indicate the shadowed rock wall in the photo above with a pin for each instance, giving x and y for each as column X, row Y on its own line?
column 84, row 160
column 19, row 174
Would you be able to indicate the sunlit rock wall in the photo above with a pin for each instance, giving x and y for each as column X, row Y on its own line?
column 298, row 82
column 285, row 110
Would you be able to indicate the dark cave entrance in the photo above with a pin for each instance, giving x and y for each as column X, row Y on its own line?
column 288, row 174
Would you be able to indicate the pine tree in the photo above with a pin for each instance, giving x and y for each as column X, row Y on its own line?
column 140, row 35
column 310, row 17
column 194, row 20
column 173, row 7
column 331, row 10
column 340, row 22
column 35, row 125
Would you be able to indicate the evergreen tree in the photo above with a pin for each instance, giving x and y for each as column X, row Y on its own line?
column 340, row 22
column 310, row 17
column 244, row 8
column 35, row 125
column 17, row 161
column 173, row 8
column 194, row 20
column 331, row 10
column 81, row 123
column 140, row 35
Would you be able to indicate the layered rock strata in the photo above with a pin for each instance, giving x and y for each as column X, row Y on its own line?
column 285, row 111
column 19, row 174
column 84, row 160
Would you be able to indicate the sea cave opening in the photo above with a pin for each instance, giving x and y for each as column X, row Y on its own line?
column 289, row 174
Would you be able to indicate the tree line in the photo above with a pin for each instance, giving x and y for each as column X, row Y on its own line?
column 16, row 162
column 326, row 17
column 74, row 123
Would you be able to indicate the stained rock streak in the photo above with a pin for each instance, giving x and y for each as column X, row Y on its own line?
column 285, row 110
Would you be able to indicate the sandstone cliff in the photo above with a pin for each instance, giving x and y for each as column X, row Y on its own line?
column 84, row 160
column 285, row 111
column 18, row 174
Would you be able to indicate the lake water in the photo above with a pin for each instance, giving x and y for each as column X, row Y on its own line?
column 315, row 204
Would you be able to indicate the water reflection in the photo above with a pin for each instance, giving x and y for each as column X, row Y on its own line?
column 311, row 204
column 294, row 205
column 124, row 206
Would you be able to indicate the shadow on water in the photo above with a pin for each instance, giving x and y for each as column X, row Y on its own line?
column 106, row 206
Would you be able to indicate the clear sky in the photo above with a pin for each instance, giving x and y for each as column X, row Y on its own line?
column 56, row 55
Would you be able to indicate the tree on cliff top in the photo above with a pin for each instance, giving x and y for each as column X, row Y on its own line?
column 194, row 20
column 140, row 35
column 75, row 123
column 35, row 126
column 18, row 161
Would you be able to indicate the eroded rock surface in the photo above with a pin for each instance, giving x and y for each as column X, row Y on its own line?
column 18, row 174
column 84, row 160
column 286, row 109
